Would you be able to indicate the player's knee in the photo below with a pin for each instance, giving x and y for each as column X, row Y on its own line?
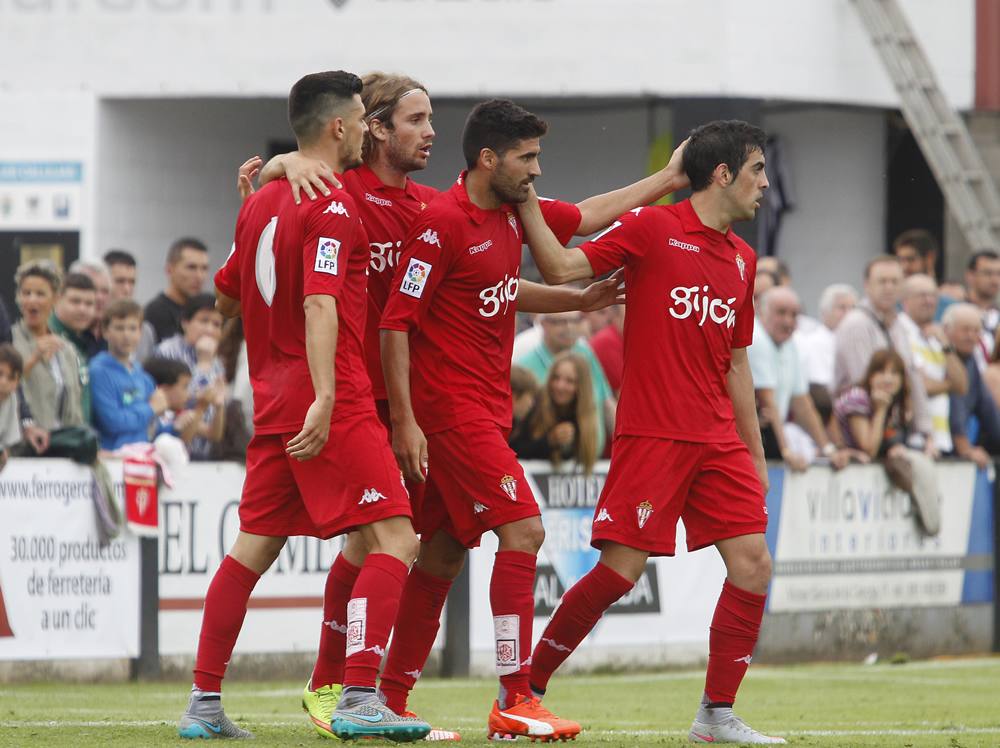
column 525, row 535
column 755, row 571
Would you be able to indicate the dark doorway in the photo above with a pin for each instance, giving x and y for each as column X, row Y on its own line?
column 62, row 247
column 913, row 198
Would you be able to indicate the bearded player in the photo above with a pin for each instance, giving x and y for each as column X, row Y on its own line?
column 687, row 444
column 319, row 463
column 398, row 143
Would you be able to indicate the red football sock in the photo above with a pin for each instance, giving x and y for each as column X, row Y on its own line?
column 221, row 621
column 512, row 598
column 733, row 635
column 581, row 608
column 370, row 615
column 417, row 624
column 340, row 581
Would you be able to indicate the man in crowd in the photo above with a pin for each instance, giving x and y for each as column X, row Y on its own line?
column 934, row 357
column 816, row 346
column 781, row 388
column 974, row 416
column 187, row 269
column 875, row 324
column 98, row 274
column 982, row 279
column 122, row 270
column 72, row 319
column 561, row 332
column 918, row 251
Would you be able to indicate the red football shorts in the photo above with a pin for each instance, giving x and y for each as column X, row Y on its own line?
column 654, row 482
column 354, row 481
column 474, row 484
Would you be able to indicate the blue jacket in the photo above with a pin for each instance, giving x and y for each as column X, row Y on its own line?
column 121, row 401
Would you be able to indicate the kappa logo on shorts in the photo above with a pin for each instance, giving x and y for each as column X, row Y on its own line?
column 479, row 508
column 603, row 516
column 644, row 511
column 509, row 485
column 370, row 496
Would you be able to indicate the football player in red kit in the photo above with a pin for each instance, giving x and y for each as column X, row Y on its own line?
column 687, row 444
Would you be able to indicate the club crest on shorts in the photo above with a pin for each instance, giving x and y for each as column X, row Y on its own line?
column 509, row 485
column 741, row 266
column 644, row 511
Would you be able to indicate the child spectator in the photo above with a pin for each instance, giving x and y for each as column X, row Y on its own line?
column 173, row 377
column 197, row 346
column 563, row 424
column 125, row 398
column 11, row 366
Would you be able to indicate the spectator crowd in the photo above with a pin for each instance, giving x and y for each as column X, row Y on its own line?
column 86, row 370
column 903, row 370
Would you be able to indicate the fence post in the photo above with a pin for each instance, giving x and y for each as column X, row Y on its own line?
column 147, row 664
column 456, row 654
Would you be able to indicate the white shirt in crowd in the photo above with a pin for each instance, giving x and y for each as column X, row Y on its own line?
column 929, row 359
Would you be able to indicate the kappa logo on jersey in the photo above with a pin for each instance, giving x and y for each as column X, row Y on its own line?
column 504, row 292
column 741, row 266
column 509, row 485
column 481, row 247
column 694, row 300
column 415, row 278
column 337, row 209
column 684, row 245
column 478, row 508
column 603, row 516
column 430, row 236
column 378, row 200
column 644, row 512
column 327, row 251
column 370, row 496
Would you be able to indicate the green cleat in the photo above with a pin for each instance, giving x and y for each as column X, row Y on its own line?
column 319, row 705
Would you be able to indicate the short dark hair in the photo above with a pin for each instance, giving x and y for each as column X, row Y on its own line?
column 921, row 240
column 197, row 303
column 728, row 142
column 498, row 124
column 315, row 97
column 179, row 245
column 10, row 356
column 78, row 281
column 119, row 257
column 121, row 309
column 983, row 254
column 165, row 370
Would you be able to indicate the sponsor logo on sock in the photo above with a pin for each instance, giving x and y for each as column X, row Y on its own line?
column 415, row 674
column 376, row 649
column 644, row 510
column 747, row 659
column 603, row 516
column 509, row 485
column 336, row 627
column 370, row 496
column 357, row 617
column 556, row 645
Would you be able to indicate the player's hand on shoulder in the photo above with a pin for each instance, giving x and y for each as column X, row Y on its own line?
column 310, row 441
column 604, row 293
column 409, row 445
column 248, row 171
column 307, row 175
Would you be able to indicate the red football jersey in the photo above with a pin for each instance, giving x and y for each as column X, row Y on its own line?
column 282, row 253
column 387, row 213
column 456, row 290
column 690, row 302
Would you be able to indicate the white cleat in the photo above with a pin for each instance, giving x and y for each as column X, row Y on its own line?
column 729, row 730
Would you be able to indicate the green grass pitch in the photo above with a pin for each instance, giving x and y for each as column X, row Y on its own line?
column 939, row 703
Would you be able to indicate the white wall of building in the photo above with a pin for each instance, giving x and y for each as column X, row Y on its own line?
column 814, row 50
column 835, row 160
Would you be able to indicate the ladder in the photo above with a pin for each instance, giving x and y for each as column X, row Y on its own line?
column 940, row 132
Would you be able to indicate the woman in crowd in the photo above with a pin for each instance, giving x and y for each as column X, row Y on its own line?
column 874, row 418
column 563, row 423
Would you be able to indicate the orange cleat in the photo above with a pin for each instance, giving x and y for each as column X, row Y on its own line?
column 528, row 718
column 436, row 734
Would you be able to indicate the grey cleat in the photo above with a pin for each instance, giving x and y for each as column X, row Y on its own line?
column 723, row 726
column 205, row 720
column 365, row 716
